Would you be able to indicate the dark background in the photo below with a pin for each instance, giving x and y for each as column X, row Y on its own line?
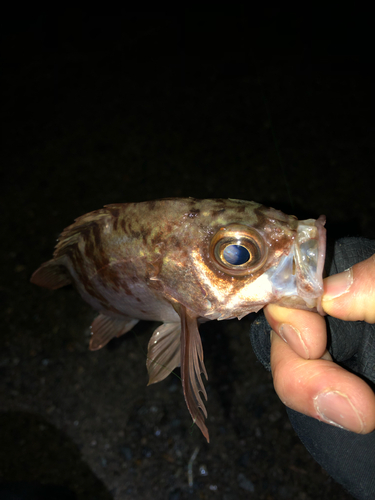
column 270, row 105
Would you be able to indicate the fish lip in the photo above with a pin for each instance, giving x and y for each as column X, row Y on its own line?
column 322, row 246
column 309, row 271
column 297, row 279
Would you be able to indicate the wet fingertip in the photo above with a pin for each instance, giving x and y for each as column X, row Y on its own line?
column 337, row 285
column 319, row 307
column 272, row 311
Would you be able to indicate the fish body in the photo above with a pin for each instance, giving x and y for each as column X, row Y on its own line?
column 182, row 261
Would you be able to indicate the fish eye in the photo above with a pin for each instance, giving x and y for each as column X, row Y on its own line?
column 238, row 250
column 236, row 254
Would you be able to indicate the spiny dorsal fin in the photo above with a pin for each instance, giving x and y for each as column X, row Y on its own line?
column 53, row 274
column 70, row 236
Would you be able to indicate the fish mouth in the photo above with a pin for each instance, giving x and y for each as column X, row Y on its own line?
column 297, row 280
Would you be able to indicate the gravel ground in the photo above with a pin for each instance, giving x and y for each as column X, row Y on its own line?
column 114, row 109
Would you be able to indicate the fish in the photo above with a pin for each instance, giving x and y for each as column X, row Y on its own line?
column 181, row 262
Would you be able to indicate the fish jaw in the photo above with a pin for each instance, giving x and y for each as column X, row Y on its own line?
column 247, row 299
column 293, row 279
column 297, row 280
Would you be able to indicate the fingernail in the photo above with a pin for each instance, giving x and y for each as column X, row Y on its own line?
column 335, row 408
column 293, row 337
column 338, row 284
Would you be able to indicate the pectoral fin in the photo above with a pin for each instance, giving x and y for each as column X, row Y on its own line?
column 164, row 352
column 104, row 328
column 192, row 366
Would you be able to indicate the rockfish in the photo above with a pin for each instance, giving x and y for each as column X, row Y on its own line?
column 183, row 261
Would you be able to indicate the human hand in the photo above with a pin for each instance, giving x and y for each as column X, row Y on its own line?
column 305, row 377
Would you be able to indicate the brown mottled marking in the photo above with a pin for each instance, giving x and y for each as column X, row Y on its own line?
column 115, row 211
column 145, row 234
column 113, row 276
column 79, row 262
column 151, row 205
column 125, row 288
column 157, row 239
column 216, row 213
column 94, row 292
column 96, row 230
column 175, row 242
column 100, row 259
column 123, row 225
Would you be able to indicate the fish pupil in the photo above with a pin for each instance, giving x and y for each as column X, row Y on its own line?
column 236, row 255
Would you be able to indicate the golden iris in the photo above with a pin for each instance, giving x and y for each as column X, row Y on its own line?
column 238, row 250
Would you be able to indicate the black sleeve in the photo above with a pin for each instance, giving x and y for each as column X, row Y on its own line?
column 348, row 457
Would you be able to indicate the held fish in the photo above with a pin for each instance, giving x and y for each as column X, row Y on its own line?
column 183, row 261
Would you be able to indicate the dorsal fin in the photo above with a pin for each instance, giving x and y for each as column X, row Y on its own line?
column 53, row 274
column 70, row 236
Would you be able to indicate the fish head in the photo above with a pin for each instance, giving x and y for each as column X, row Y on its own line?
column 245, row 256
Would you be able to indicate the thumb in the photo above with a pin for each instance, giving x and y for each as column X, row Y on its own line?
column 351, row 295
